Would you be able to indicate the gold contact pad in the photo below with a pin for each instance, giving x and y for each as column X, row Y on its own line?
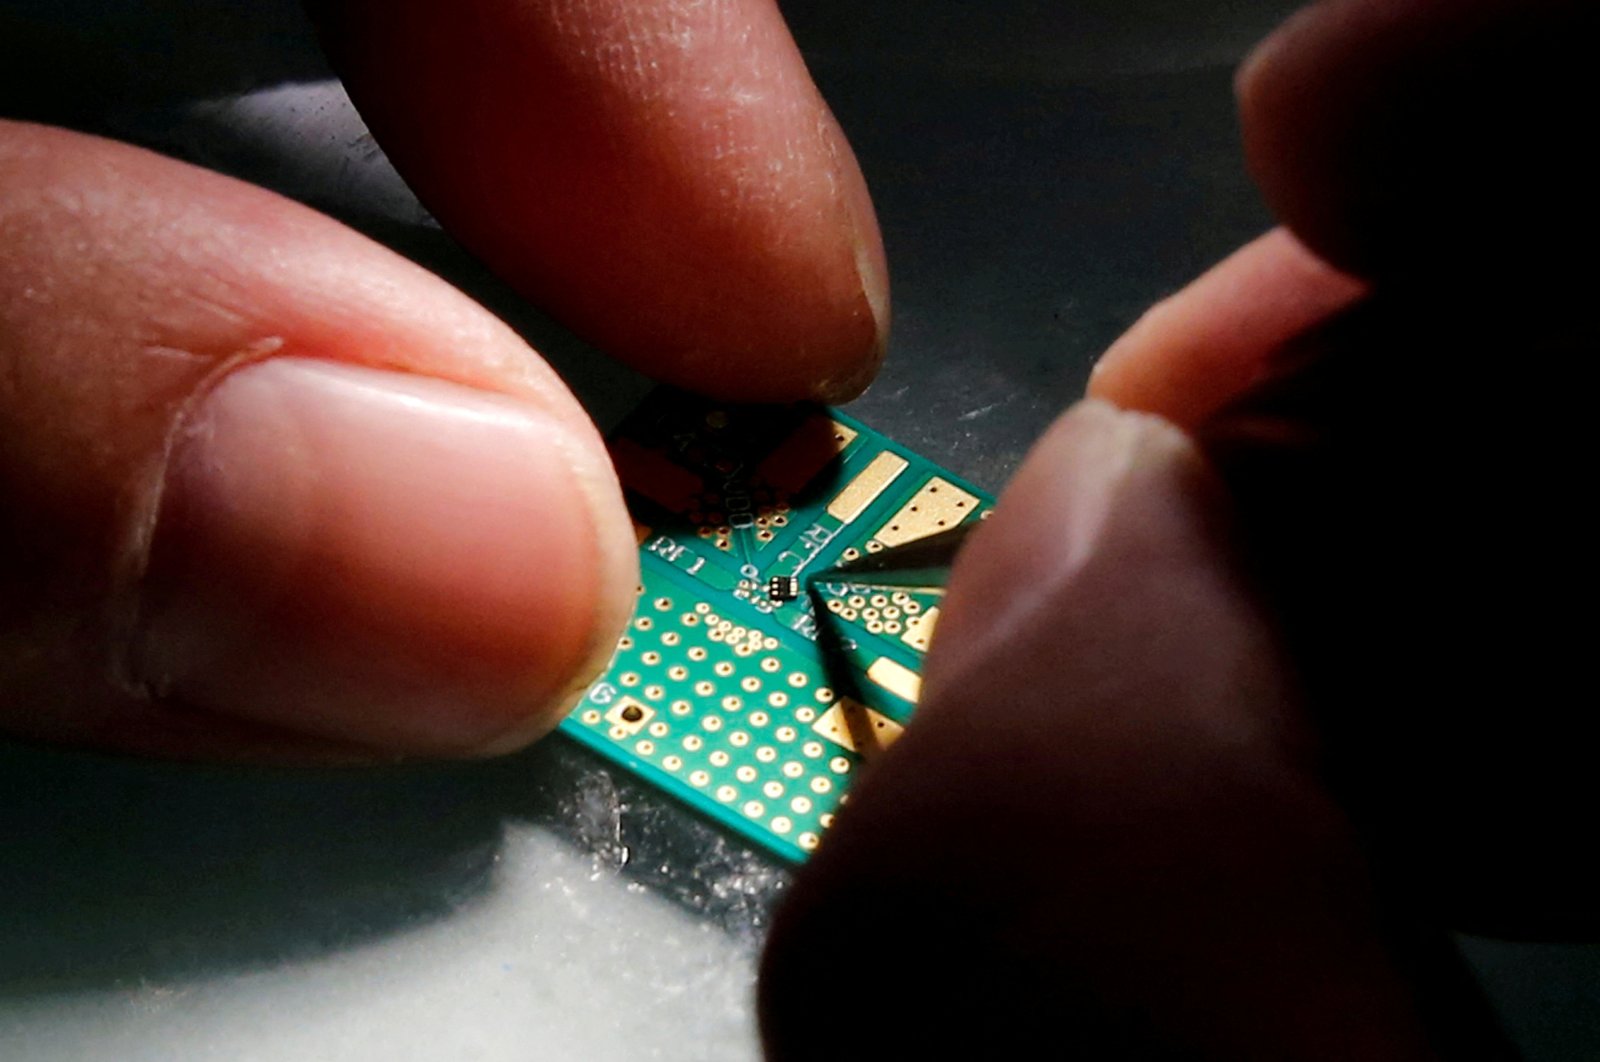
column 858, row 728
column 862, row 491
column 919, row 629
column 629, row 714
column 896, row 678
column 939, row 505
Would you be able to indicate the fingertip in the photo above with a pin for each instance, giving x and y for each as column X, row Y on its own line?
column 380, row 560
column 275, row 492
column 1289, row 115
column 1259, row 66
column 665, row 179
column 1192, row 353
column 1105, row 716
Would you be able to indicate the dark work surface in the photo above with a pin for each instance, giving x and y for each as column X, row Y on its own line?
column 1043, row 172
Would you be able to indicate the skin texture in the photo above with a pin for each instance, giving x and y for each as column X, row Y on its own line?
column 588, row 148
column 131, row 287
column 1267, row 707
column 209, row 555
column 1406, row 509
column 1192, row 354
column 1308, row 703
column 1142, row 863
column 411, row 567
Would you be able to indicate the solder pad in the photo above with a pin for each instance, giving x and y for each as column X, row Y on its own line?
column 758, row 709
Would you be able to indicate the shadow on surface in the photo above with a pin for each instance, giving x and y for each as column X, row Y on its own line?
column 77, row 62
column 1043, row 172
column 117, row 872
column 1022, row 241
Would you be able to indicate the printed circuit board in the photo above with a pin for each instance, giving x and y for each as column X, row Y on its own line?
column 744, row 686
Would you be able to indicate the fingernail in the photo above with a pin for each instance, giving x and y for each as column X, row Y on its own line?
column 378, row 558
column 875, row 293
column 871, row 267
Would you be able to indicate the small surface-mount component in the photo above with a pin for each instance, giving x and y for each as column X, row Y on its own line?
column 744, row 686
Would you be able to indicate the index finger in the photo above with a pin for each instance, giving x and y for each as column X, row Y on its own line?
column 663, row 177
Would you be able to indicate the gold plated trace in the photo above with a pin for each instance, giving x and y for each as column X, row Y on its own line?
column 862, row 491
column 896, row 678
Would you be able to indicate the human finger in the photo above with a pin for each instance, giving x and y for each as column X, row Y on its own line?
column 1192, row 353
column 268, row 489
column 1403, row 462
column 1105, row 829
column 1430, row 143
column 1423, row 147
column 1410, row 513
column 663, row 177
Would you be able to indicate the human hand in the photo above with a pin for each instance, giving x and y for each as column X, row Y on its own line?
column 268, row 490
column 1222, row 731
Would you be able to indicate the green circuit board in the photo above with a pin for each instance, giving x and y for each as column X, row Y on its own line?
column 743, row 686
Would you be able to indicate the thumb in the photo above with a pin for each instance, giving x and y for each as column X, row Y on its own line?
column 268, row 489
column 1105, row 829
